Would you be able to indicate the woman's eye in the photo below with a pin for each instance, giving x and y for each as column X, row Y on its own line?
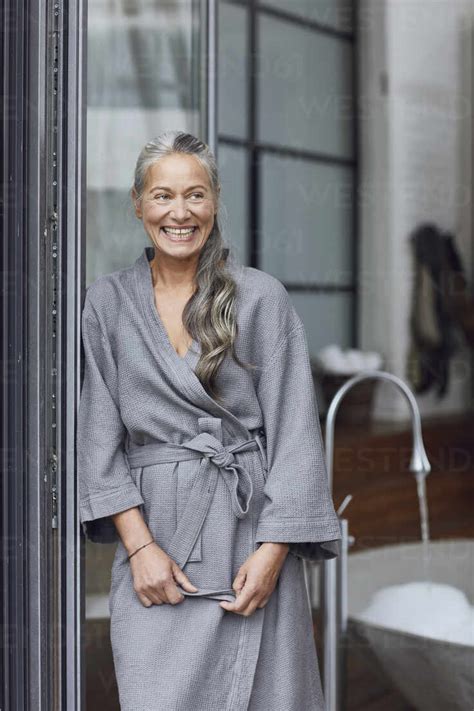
column 163, row 195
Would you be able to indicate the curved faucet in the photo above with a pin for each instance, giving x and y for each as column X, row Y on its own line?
column 419, row 461
column 334, row 585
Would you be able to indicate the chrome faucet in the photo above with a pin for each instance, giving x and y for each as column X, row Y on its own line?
column 334, row 571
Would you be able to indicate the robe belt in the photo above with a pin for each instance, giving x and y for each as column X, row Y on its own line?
column 217, row 459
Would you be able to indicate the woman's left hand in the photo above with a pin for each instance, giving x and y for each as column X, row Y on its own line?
column 256, row 579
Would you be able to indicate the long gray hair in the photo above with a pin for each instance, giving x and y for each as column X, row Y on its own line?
column 209, row 315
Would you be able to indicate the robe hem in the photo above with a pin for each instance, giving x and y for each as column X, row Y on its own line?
column 297, row 531
column 111, row 503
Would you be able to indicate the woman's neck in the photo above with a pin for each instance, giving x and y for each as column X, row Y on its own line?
column 172, row 275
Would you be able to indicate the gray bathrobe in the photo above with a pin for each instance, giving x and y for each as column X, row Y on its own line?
column 213, row 482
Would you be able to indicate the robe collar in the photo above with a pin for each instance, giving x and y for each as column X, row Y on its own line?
column 181, row 367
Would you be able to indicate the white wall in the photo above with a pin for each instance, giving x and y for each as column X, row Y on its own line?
column 415, row 85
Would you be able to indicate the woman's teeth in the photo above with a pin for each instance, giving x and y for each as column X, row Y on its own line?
column 178, row 235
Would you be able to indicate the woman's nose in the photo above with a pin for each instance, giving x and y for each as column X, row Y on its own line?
column 179, row 208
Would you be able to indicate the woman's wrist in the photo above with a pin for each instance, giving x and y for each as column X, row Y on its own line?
column 144, row 545
column 277, row 545
column 132, row 529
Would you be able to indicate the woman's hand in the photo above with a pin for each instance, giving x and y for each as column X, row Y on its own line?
column 155, row 575
column 257, row 578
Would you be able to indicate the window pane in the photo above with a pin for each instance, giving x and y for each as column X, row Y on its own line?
column 232, row 70
column 307, row 221
column 327, row 318
column 305, row 88
column 143, row 78
column 233, row 174
column 122, row 240
column 140, row 54
column 332, row 13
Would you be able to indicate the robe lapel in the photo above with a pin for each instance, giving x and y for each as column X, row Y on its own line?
column 182, row 367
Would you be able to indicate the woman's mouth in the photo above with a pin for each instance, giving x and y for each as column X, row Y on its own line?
column 179, row 234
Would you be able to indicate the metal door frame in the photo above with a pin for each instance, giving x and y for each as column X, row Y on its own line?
column 43, row 190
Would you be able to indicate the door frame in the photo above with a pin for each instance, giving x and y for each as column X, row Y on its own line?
column 42, row 212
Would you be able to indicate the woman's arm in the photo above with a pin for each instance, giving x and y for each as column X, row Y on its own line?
column 132, row 529
column 106, row 484
column 298, row 506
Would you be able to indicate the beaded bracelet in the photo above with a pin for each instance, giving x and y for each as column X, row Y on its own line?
column 139, row 549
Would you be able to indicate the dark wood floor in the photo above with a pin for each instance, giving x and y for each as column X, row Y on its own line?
column 101, row 686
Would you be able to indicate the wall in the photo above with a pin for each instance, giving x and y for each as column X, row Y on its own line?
column 415, row 83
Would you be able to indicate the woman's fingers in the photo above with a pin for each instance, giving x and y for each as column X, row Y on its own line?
column 148, row 595
column 246, row 602
column 145, row 600
column 240, row 580
column 159, row 594
column 155, row 578
column 183, row 579
column 259, row 574
column 171, row 593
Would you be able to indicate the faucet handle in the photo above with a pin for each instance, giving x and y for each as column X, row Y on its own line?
column 345, row 503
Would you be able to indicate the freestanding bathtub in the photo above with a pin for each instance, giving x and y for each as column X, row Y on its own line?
column 433, row 675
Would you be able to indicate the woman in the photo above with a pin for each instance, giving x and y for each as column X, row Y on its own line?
column 200, row 452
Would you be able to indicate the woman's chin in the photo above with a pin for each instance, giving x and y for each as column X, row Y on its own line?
column 173, row 249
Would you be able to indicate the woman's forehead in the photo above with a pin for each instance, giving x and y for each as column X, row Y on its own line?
column 176, row 172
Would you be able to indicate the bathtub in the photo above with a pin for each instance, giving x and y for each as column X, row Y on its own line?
column 432, row 675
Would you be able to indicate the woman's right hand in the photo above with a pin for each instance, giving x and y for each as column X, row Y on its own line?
column 155, row 575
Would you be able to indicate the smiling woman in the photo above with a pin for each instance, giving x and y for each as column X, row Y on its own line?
column 179, row 220
column 208, row 469
column 177, row 212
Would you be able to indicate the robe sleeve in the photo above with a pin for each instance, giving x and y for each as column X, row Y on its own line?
column 105, row 484
column 298, row 507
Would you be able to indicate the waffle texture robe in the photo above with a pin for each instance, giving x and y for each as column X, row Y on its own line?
column 213, row 482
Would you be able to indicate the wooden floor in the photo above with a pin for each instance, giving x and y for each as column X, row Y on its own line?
column 101, row 686
column 372, row 464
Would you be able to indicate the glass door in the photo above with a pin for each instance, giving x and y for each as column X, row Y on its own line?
column 150, row 69
column 147, row 72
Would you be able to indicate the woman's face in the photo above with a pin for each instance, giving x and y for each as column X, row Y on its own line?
column 177, row 206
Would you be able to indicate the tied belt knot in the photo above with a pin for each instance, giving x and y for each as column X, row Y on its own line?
column 217, row 460
column 235, row 475
column 222, row 457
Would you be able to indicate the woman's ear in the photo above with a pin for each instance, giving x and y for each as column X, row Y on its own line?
column 136, row 203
